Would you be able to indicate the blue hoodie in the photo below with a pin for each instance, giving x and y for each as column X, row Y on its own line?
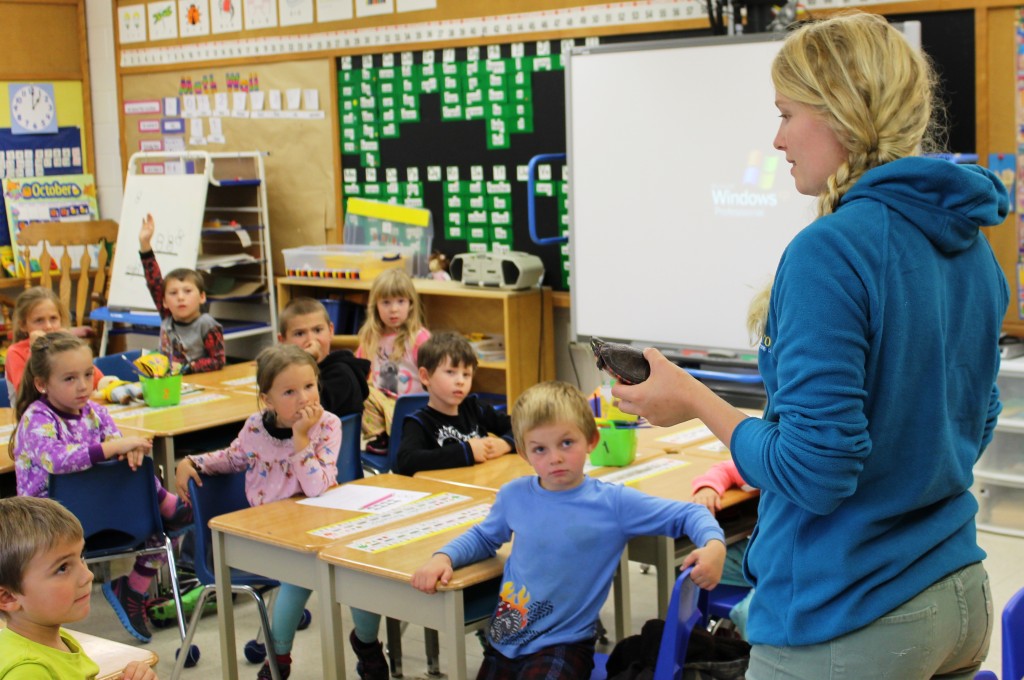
column 879, row 359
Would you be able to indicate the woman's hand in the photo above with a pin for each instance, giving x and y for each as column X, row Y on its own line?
column 665, row 398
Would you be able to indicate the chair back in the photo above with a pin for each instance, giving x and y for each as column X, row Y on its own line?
column 680, row 619
column 91, row 280
column 219, row 495
column 111, row 523
column 119, row 365
column 405, row 406
column 349, row 467
column 1013, row 637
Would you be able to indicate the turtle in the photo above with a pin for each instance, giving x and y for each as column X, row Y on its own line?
column 624, row 362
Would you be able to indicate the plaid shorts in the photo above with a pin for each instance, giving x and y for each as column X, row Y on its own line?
column 558, row 662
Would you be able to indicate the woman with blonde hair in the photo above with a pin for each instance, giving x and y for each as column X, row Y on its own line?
column 878, row 345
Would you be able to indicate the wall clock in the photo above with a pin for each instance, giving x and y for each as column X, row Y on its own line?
column 33, row 108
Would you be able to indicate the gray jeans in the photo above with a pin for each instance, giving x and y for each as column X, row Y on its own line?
column 943, row 632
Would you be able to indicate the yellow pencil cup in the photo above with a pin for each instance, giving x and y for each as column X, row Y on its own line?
column 617, row 446
column 164, row 391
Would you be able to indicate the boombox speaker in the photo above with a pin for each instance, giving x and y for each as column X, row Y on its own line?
column 514, row 270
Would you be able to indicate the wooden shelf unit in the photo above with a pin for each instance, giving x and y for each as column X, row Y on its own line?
column 523, row 317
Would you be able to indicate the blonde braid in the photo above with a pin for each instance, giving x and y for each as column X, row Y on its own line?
column 876, row 92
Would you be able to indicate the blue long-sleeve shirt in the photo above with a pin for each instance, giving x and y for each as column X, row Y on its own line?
column 567, row 546
column 879, row 359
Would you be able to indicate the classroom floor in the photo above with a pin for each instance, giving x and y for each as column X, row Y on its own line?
column 1002, row 564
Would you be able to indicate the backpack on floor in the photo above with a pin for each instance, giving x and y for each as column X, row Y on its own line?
column 707, row 657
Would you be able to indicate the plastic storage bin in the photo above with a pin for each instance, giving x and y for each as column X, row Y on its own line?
column 164, row 391
column 345, row 261
column 616, row 447
column 1000, row 507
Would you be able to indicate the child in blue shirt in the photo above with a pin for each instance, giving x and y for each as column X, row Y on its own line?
column 545, row 622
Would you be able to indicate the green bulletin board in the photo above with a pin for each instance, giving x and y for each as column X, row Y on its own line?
column 453, row 130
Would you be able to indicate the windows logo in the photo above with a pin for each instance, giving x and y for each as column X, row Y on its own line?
column 760, row 170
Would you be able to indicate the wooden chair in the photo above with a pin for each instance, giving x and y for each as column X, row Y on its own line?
column 90, row 282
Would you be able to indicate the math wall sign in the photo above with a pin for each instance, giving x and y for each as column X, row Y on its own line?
column 64, row 198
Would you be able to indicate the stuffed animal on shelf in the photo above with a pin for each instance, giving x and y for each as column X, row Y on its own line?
column 438, row 266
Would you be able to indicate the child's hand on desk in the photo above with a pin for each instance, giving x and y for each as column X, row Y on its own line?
column 709, row 498
column 138, row 670
column 185, row 471
column 131, row 448
column 486, row 448
column 438, row 569
column 146, row 234
column 708, row 562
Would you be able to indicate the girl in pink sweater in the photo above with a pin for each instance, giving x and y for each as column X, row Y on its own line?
column 289, row 448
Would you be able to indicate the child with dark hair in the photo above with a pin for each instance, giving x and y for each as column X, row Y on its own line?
column 455, row 429
column 190, row 336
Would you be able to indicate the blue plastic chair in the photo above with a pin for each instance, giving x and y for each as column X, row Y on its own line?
column 218, row 495
column 1013, row 641
column 680, row 620
column 118, row 529
column 349, row 464
column 405, row 405
column 119, row 365
column 717, row 603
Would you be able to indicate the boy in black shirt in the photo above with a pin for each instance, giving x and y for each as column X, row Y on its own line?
column 454, row 429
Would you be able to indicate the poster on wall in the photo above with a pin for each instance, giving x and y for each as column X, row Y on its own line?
column 226, row 16
column 295, row 12
column 193, row 18
column 260, row 14
column 62, row 198
column 162, row 19
column 131, row 23
column 333, row 10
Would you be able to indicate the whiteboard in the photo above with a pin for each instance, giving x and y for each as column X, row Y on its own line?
column 177, row 204
column 679, row 206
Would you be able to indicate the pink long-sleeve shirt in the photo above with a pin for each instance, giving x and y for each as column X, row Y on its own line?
column 721, row 477
column 273, row 468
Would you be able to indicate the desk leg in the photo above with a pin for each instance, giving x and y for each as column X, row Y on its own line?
column 332, row 643
column 455, row 629
column 621, row 599
column 163, row 455
column 225, row 609
column 103, row 338
column 665, row 566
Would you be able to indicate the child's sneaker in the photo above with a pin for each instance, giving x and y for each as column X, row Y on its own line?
column 180, row 521
column 284, row 664
column 129, row 606
column 378, row 445
column 372, row 665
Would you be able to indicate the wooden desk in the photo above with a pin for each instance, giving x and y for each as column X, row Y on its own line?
column 197, row 411
column 380, row 582
column 109, row 655
column 272, row 540
column 497, row 472
column 236, row 377
column 112, row 656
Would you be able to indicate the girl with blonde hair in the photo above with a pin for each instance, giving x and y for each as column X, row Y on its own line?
column 878, row 345
column 390, row 338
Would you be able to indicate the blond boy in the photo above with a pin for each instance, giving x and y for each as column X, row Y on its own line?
column 570, row 531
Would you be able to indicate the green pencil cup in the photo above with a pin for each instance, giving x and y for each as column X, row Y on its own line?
column 617, row 446
column 164, row 391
